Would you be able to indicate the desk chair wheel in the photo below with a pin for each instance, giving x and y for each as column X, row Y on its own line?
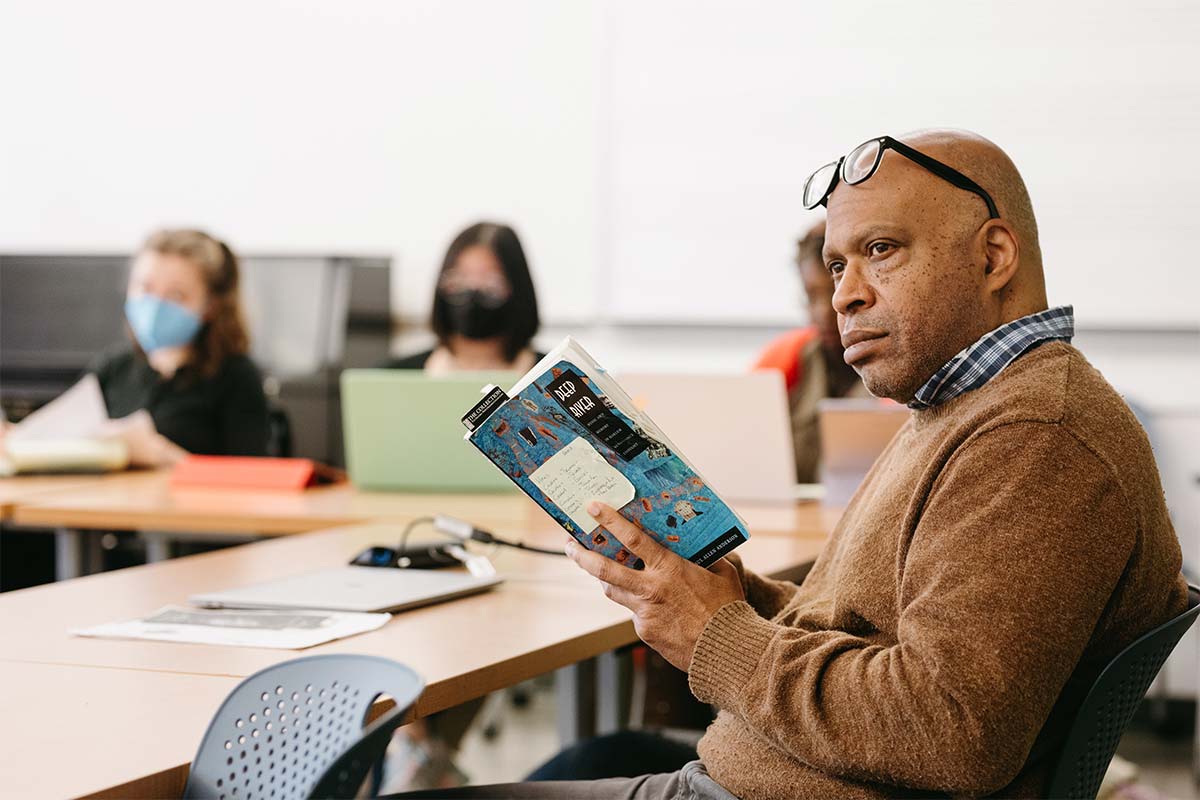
column 301, row 729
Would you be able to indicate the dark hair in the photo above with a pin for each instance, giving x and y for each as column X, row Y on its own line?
column 224, row 333
column 521, row 316
column 810, row 246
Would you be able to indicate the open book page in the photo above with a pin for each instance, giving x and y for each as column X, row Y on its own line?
column 77, row 413
column 72, row 433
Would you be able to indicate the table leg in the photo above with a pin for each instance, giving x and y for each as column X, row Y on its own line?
column 613, row 671
column 68, row 554
column 575, row 701
column 158, row 547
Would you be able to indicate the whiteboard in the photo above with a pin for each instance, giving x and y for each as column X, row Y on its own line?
column 720, row 111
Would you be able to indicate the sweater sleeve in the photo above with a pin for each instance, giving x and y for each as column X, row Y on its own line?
column 1006, row 576
column 765, row 595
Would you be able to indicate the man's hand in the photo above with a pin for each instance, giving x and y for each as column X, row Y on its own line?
column 672, row 599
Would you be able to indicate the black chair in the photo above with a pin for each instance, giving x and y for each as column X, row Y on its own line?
column 1101, row 719
column 299, row 730
column 279, row 432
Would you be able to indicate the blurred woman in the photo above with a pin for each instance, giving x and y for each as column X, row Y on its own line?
column 810, row 358
column 187, row 362
column 485, row 311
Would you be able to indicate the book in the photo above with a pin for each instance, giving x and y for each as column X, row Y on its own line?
column 567, row 434
column 71, row 433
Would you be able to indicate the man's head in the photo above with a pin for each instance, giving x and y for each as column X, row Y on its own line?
column 818, row 289
column 920, row 271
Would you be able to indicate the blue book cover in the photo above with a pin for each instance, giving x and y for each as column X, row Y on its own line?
column 569, row 435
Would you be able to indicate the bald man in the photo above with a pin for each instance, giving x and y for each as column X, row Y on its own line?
column 1007, row 544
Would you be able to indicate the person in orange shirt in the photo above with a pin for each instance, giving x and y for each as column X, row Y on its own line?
column 810, row 358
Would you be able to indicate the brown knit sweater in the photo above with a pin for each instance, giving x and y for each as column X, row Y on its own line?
column 1004, row 547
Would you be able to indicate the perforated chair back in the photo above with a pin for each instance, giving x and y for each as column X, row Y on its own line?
column 299, row 729
column 1104, row 714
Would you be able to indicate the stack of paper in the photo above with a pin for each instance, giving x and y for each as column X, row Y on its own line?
column 287, row 630
column 73, row 433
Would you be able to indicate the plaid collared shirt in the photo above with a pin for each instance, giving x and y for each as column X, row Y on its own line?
column 982, row 361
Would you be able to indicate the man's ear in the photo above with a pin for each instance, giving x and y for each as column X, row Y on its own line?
column 1003, row 253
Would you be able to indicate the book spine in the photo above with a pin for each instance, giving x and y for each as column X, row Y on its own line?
column 719, row 548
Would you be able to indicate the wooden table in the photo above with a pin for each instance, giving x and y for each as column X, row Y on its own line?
column 546, row 615
column 145, row 501
column 74, row 731
column 24, row 488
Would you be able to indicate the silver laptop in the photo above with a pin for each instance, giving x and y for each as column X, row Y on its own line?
column 352, row 588
column 854, row 431
column 735, row 429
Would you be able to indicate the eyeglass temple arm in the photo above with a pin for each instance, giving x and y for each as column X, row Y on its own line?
column 837, row 177
column 949, row 173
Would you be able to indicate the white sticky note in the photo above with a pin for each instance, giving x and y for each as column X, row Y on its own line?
column 578, row 474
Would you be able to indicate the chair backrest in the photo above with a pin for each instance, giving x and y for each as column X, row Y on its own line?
column 298, row 729
column 1105, row 712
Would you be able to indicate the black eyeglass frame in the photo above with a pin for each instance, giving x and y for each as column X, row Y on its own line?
column 943, row 171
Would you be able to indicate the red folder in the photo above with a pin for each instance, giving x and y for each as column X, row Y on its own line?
column 245, row 472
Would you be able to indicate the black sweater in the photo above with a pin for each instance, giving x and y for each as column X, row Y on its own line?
column 222, row 415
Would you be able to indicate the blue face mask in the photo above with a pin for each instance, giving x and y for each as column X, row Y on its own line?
column 159, row 323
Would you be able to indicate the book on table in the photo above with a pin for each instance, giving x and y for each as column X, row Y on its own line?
column 567, row 434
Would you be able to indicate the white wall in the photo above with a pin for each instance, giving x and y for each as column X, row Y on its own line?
column 720, row 110
column 650, row 153
column 347, row 126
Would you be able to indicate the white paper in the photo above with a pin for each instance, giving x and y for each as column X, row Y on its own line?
column 77, row 413
column 146, row 446
column 278, row 629
column 578, row 474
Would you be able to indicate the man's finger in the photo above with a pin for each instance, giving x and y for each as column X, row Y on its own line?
column 601, row 567
column 636, row 540
column 622, row 597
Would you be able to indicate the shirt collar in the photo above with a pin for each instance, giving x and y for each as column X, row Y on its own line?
column 980, row 362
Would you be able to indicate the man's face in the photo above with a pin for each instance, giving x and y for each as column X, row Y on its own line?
column 908, row 280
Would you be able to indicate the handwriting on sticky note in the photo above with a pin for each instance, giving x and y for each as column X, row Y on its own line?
column 578, row 474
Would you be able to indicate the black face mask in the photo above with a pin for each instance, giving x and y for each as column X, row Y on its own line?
column 475, row 314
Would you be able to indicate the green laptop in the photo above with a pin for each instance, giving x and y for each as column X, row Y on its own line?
column 403, row 431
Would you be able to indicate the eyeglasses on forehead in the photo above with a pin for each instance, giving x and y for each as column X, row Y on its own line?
column 864, row 160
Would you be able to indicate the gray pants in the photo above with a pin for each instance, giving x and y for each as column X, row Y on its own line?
column 690, row 783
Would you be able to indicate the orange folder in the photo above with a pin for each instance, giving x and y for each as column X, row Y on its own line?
column 246, row 472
